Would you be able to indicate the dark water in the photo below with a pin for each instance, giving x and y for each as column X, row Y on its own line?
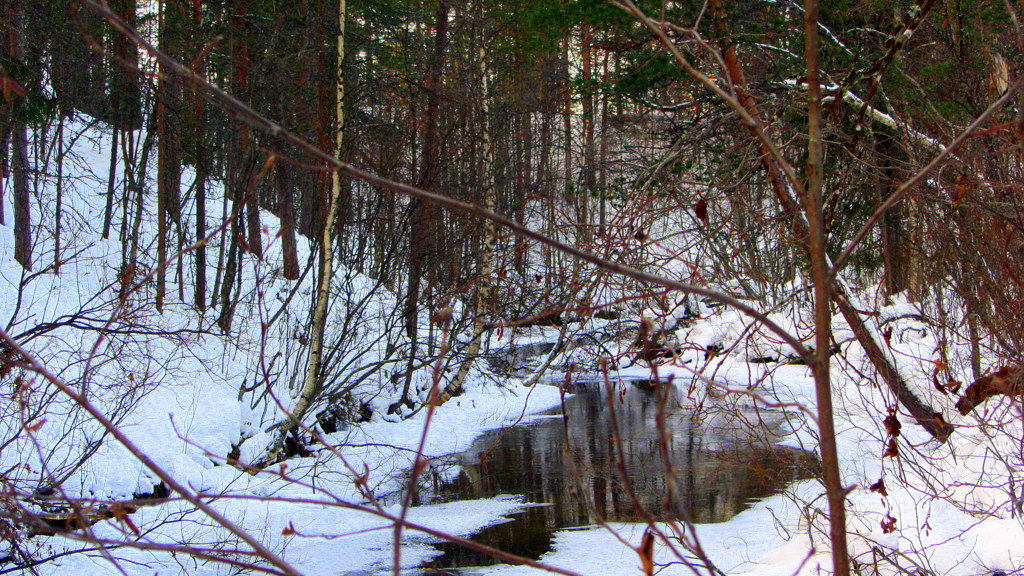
column 605, row 461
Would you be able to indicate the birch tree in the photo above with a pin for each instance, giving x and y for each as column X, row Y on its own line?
column 318, row 319
column 485, row 258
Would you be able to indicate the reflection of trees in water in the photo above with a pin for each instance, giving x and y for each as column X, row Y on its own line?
column 720, row 462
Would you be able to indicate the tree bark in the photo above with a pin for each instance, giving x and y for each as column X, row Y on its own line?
column 240, row 171
column 286, row 205
column 602, row 179
column 58, row 209
column 421, row 233
column 589, row 152
column 254, row 230
column 202, row 173
column 5, row 133
column 820, row 271
column 227, row 307
column 168, row 146
column 485, row 258
column 567, row 127
column 20, row 170
column 125, row 94
column 893, row 248
column 199, row 293
column 108, row 210
column 313, row 382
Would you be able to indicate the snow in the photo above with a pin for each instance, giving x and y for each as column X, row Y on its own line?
column 178, row 399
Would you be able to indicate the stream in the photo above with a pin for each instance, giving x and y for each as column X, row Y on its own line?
column 721, row 460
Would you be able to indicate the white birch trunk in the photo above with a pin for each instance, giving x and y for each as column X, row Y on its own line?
column 486, row 257
column 312, row 385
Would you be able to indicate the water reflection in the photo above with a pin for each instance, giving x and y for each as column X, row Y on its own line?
column 710, row 467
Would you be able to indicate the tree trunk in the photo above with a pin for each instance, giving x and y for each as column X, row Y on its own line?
column 485, row 258
column 820, row 270
column 313, row 382
column 422, row 235
column 602, row 182
column 567, row 127
column 202, row 173
column 286, row 205
column 58, row 209
column 893, row 245
column 254, row 230
column 239, row 174
column 125, row 95
column 199, row 294
column 108, row 211
column 135, row 177
column 589, row 155
column 20, row 170
column 5, row 134
column 227, row 307
column 168, row 146
column 544, row 163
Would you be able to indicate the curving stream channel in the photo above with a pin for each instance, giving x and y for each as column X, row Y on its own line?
column 721, row 459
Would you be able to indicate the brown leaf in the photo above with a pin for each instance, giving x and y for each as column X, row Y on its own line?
column 888, row 525
column 892, row 425
column 940, row 365
column 879, row 487
column 700, row 209
column 289, row 530
column 892, row 451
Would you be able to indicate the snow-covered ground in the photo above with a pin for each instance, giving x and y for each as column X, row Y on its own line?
column 188, row 397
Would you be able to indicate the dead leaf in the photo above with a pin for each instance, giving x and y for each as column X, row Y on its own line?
column 892, row 451
column 892, row 425
column 700, row 209
column 888, row 525
column 879, row 487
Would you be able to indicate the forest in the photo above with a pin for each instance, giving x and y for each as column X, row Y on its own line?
column 368, row 287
